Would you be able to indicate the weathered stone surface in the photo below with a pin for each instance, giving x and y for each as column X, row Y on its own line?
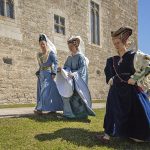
column 18, row 81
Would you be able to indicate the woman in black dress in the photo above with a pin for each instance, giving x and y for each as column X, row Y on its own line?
column 128, row 106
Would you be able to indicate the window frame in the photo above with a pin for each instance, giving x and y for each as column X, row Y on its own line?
column 94, row 12
column 98, row 2
column 3, row 8
column 11, row 16
column 10, row 28
column 59, row 25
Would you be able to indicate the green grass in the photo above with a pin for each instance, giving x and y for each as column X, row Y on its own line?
column 33, row 105
column 16, row 106
column 49, row 133
column 98, row 101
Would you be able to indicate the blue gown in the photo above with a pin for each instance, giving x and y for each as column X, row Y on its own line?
column 109, row 123
column 48, row 98
column 128, row 107
column 74, row 106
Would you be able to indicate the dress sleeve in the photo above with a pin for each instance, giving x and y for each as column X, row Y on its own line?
column 109, row 72
column 142, row 70
column 82, row 70
column 67, row 65
column 54, row 64
column 141, row 65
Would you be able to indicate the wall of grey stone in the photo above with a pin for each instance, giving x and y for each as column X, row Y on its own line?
column 20, row 43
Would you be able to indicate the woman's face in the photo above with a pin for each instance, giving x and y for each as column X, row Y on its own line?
column 43, row 46
column 119, row 45
column 72, row 48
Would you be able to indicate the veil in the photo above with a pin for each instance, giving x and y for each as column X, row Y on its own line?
column 50, row 45
column 81, row 48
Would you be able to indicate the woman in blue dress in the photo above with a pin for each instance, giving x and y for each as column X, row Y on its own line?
column 128, row 106
column 48, row 98
column 78, row 104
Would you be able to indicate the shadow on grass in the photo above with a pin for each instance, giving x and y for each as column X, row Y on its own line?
column 86, row 138
column 55, row 117
column 77, row 136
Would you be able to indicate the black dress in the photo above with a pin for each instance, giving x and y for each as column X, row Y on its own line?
column 128, row 107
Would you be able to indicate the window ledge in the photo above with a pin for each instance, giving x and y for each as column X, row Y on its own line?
column 95, row 45
column 5, row 18
column 59, row 35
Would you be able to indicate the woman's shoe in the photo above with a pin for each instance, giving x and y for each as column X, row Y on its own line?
column 102, row 139
column 38, row 112
column 137, row 140
column 52, row 113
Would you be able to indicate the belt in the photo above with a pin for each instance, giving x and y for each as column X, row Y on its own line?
column 122, row 77
column 123, row 74
column 46, row 68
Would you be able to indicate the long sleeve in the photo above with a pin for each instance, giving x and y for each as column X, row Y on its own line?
column 82, row 71
column 77, row 64
column 141, row 65
column 53, row 57
column 109, row 72
column 67, row 65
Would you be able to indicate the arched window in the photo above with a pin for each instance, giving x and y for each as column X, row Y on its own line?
column 95, row 35
column 2, row 7
column 10, row 8
column 7, row 8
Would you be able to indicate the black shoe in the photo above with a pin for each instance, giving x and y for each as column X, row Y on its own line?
column 38, row 112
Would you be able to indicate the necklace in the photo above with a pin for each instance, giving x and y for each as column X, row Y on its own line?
column 120, row 61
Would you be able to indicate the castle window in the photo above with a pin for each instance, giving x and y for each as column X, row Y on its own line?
column 10, row 8
column 95, row 31
column 59, row 24
column 2, row 7
column 7, row 8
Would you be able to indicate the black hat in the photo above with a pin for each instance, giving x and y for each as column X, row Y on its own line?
column 123, row 32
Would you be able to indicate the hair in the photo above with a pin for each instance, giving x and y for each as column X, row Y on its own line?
column 42, row 38
column 74, row 41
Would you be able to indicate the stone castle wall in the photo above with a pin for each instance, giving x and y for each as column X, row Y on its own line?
column 19, row 41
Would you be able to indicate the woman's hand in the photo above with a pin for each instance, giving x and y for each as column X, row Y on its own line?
column 131, row 81
column 53, row 76
column 59, row 69
column 70, row 74
column 110, row 82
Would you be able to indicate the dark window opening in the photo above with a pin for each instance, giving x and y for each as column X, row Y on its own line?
column 7, row 8
column 2, row 7
column 59, row 24
column 95, row 35
column 10, row 8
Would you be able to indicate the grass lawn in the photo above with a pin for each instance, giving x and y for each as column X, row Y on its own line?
column 16, row 106
column 49, row 133
column 98, row 101
column 33, row 105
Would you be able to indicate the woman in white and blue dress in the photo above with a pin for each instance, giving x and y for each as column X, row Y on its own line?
column 77, row 103
column 48, row 98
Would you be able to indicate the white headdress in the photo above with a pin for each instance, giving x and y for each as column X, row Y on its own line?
column 81, row 47
column 50, row 45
